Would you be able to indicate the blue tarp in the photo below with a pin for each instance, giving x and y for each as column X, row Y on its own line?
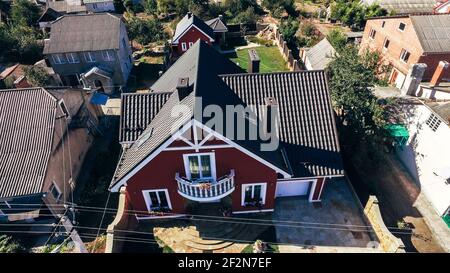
column 99, row 98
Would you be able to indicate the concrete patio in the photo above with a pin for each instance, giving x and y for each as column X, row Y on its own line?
column 337, row 221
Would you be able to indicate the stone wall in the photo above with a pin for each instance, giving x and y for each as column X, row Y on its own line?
column 389, row 243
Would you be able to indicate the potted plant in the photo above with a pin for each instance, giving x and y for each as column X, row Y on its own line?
column 259, row 247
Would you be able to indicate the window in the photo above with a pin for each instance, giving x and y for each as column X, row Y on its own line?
column 253, row 194
column 200, row 166
column 157, row 199
column 59, row 59
column 404, row 55
column 72, row 58
column 433, row 122
column 108, row 55
column 89, row 57
column 183, row 46
column 401, row 27
column 372, row 33
column 55, row 192
column 64, row 108
column 386, row 43
column 383, row 23
column 191, row 44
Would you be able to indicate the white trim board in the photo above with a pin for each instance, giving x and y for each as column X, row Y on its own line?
column 175, row 42
column 180, row 132
column 252, row 211
column 263, row 191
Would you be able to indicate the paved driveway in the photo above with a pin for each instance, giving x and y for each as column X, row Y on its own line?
column 336, row 221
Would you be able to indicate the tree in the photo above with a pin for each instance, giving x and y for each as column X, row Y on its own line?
column 351, row 78
column 246, row 17
column 145, row 31
column 119, row 6
column 24, row 12
column 289, row 30
column 337, row 39
column 19, row 43
column 150, row 6
column 277, row 7
column 8, row 245
column 37, row 76
column 353, row 14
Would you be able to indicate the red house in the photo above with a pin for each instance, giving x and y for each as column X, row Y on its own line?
column 188, row 31
column 174, row 155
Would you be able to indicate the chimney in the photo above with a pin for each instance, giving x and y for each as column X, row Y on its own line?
column 253, row 64
column 183, row 88
column 439, row 73
column 413, row 79
column 160, row 73
column 271, row 104
column 220, row 17
column 189, row 14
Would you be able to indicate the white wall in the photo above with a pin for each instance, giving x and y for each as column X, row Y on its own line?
column 432, row 93
column 427, row 156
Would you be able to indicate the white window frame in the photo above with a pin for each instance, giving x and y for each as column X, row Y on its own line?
column 7, row 204
column 212, row 159
column 72, row 58
column 148, row 200
column 403, row 54
column 89, row 57
column 384, row 43
column 191, row 44
column 399, row 29
column 64, row 107
column 183, row 46
column 57, row 189
column 59, row 58
column 108, row 55
column 263, row 192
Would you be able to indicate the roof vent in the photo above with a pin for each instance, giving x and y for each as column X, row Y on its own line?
column 183, row 88
column 189, row 14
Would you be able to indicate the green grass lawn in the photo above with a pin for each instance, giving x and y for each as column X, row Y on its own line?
column 271, row 59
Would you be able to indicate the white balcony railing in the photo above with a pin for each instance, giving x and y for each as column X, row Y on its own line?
column 205, row 190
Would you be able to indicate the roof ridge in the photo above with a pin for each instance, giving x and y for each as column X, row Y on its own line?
column 272, row 73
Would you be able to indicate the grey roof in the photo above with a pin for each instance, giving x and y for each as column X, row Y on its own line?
column 26, row 130
column 64, row 7
column 433, row 32
column 217, row 25
column 321, row 54
column 87, row 32
column 307, row 126
column 96, row 1
column 137, row 110
column 404, row 6
column 187, row 21
column 307, row 132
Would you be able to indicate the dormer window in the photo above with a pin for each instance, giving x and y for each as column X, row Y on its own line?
column 402, row 26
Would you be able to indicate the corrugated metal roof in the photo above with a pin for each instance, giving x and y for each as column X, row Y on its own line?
column 404, row 6
column 27, row 122
column 433, row 32
column 137, row 110
column 84, row 32
column 320, row 55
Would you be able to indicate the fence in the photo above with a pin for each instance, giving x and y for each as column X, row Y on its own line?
column 293, row 62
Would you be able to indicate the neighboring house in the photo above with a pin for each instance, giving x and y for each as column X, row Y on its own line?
column 14, row 76
column 55, row 9
column 188, row 31
column 171, row 161
column 319, row 56
column 442, row 7
column 99, row 5
column 403, row 6
column 219, row 28
column 92, row 50
column 45, row 134
column 405, row 41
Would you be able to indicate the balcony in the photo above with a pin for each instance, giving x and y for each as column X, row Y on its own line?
column 205, row 190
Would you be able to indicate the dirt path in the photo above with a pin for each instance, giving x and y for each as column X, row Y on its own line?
column 397, row 193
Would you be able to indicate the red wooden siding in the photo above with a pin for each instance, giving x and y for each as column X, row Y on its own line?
column 318, row 189
column 191, row 35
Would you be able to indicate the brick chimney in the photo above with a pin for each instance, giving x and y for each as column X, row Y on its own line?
column 271, row 109
column 253, row 64
column 439, row 73
column 189, row 14
column 183, row 88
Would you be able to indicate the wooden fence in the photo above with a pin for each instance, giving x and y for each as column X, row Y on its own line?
column 292, row 61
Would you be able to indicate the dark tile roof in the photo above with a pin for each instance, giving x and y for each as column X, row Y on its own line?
column 307, row 128
column 137, row 110
column 27, row 124
column 217, row 25
column 187, row 21
column 307, row 132
column 86, row 32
